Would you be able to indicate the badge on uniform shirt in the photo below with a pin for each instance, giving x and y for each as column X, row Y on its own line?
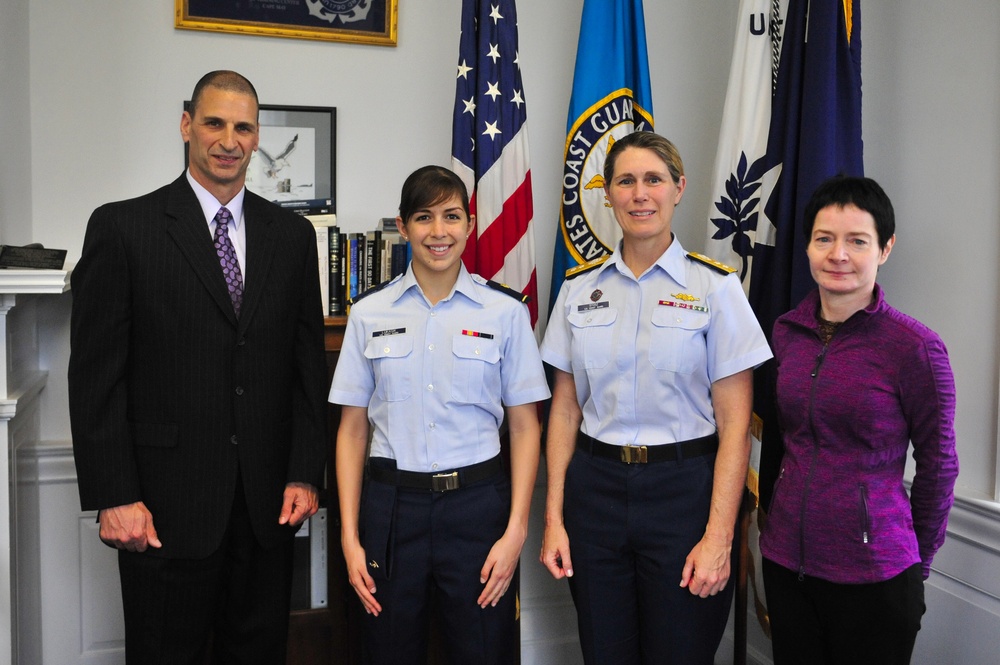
column 587, row 307
column 394, row 331
column 474, row 333
column 596, row 295
column 683, row 305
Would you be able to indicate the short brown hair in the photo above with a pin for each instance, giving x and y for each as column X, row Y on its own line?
column 223, row 79
column 663, row 148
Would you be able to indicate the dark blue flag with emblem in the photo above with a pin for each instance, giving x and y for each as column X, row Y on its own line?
column 815, row 133
column 611, row 98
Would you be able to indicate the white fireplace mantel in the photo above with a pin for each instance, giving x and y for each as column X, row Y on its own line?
column 21, row 382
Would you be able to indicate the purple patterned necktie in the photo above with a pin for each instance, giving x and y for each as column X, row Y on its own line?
column 227, row 258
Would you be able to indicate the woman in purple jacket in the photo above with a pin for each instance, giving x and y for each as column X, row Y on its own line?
column 845, row 550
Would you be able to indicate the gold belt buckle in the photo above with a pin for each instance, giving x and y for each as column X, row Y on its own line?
column 442, row 482
column 634, row 454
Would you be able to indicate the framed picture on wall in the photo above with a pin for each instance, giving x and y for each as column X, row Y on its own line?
column 295, row 164
column 358, row 21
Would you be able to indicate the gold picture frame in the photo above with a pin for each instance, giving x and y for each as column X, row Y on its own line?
column 355, row 21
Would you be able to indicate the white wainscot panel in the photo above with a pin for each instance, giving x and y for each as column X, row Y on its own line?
column 82, row 621
column 962, row 623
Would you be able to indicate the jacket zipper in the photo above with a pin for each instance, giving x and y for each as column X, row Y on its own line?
column 865, row 518
column 812, row 465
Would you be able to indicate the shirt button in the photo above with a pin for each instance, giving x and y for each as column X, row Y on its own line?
column 432, row 426
column 477, row 352
column 385, row 350
column 434, row 466
column 239, row 390
column 430, row 387
column 232, row 440
column 430, row 347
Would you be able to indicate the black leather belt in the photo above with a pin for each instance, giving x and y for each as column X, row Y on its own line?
column 443, row 481
column 669, row 452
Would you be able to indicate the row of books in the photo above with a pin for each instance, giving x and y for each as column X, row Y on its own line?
column 352, row 263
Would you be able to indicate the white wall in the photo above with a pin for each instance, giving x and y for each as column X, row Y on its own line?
column 92, row 95
column 15, row 167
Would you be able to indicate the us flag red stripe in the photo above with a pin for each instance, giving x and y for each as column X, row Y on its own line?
column 490, row 147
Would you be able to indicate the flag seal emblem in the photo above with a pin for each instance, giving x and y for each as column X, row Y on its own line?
column 348, row 11
column 588, row 226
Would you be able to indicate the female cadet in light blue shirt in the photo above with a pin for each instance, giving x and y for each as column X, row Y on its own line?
column 648, row 438
column 430, row 364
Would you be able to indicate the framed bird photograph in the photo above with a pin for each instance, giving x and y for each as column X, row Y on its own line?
column 295, row 163
column 357, row 21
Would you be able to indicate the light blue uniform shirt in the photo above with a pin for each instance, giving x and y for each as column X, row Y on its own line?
column 434, row 393
column 644, row 352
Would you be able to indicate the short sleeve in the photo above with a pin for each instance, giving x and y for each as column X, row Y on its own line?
column 522, row 374
column 735, row 339
column 556, row 349
column 354, row 379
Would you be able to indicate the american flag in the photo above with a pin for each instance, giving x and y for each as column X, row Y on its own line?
column 490, row 147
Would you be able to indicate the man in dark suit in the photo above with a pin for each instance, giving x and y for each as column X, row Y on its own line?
column 197, row 385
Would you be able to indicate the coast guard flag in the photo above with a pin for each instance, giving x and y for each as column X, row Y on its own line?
column 736, row 208
column 740, row 160
column 611, row 98
column 490, row 147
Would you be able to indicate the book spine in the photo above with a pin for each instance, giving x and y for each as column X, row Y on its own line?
column 333, row 276
column 344, row 273
column 376, row 258
column 322, row 240
column 353, row 267
column 398, row 259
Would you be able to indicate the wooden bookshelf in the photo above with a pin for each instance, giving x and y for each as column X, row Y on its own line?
column 330, row 635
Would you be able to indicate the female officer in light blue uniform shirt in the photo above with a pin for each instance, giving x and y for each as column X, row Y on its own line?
column 648, row 438
column 428, row 364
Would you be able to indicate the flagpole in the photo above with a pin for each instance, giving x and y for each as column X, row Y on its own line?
column 740, row 632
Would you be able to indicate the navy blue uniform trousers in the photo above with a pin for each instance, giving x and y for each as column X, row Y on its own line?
column 630, row 529
column 433, row 546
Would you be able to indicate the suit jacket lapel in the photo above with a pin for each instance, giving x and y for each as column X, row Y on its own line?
column 186, row 225
column 260, row 252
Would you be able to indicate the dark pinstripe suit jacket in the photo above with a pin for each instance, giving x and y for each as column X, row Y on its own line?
column 169, row 394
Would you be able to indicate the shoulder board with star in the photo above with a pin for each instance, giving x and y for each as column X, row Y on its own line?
column 503, row 288
column 576, row 271
column 711, row 263
column 367, row 292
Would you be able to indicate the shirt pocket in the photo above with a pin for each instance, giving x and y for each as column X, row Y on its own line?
column 592, row 334
column 475, row 375
column 673, row 343
column 390, row 358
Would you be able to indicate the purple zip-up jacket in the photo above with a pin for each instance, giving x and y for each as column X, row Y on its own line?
column 848, row 413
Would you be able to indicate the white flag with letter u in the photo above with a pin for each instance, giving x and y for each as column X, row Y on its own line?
column 737, row 203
